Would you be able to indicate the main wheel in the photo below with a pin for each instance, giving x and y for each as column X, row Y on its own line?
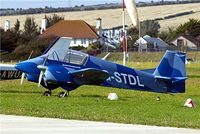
column 63, row 94
column 47, row 93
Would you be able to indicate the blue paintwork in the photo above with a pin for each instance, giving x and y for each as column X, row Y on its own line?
column 168, row 77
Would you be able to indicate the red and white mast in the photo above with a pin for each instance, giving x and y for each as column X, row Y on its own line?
column 124, row 33
column 132, row 11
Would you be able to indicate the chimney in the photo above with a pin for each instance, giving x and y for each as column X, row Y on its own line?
column 99, row 27
column 99, row 30
column 6, row 25
column 98, row 23
column 44, row 25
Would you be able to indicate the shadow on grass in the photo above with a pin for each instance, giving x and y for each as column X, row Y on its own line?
column 104, row 97
column 193, row 76
column 26, row 92
column 92, row 96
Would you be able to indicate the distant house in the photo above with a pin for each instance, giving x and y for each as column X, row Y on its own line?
column 142, row 44
column 81, row 32
column 114, row 32
column 148, row 43
column 186, row 41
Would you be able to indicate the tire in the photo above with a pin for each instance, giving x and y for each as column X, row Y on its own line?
column 47, row 93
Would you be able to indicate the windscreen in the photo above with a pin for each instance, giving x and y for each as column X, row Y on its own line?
column 75, row 57
column 59, row 49
column 60, row 52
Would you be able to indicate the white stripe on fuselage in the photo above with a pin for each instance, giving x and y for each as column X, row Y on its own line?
column 129, row 79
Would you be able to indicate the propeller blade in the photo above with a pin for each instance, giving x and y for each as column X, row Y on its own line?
column 40, row 78
column 43, row 69
column 23, row 74
column 30, row 55
column 22, row 78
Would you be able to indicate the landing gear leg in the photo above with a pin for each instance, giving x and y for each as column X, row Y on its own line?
column 63, row 94
column 47, row 93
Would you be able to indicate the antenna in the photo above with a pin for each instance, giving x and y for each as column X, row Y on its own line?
column 69, row 3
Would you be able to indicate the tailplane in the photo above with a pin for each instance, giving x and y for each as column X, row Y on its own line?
column 172, row 71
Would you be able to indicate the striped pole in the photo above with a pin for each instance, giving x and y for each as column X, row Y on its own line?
column 124, row 34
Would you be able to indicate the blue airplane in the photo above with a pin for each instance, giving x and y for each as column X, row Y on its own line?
column 60, row 66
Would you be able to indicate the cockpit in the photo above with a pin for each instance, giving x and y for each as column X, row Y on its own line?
column 60, row 51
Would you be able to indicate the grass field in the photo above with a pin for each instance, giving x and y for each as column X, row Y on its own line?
column 90, row 103
column 147, row 56
column 113, row 17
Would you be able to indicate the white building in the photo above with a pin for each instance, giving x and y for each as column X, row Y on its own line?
column 114, row 32
column 148, row 43
column 186, row 41
column 6, row 25
column 142, row 44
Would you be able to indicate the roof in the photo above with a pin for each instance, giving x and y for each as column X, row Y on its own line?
column 159, row 42
column 191, row 38
column 188, row 37
column 70, row 28
column 114, row 28
column 141, row 41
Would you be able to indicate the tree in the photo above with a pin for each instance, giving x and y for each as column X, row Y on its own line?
column 30, row 29
column 38, row 46
column 51, row 20
column 192, row 27
column 132, row 37
column 17, row 26
column 149, row 27
column 165, row 35
column 8, row 40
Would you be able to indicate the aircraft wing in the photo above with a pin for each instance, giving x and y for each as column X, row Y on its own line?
column 7, row 67
column 89, row 76
column 9, row 72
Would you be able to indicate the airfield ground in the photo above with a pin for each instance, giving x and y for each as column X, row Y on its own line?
column 33, row 125
column 90, row 102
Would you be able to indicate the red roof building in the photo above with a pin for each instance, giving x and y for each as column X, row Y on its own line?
column 81, row 32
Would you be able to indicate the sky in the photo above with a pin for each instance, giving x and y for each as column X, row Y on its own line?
column 25, row 4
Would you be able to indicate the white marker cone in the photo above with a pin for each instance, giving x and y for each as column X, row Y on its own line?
column 112, row 96
column 189, row 103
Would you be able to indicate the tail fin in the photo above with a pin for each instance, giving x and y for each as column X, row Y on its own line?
column 172, row 70
column 171, row 65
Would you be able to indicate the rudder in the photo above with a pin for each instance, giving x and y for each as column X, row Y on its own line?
column 172, row 72
column 172, row 65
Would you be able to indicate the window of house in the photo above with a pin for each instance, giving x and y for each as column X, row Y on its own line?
column 75, row 41
column 180, row 42
column 90, row 41
column 83, row 41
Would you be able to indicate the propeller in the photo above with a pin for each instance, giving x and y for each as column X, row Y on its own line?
column 43, row 69
column 24, row 74
column 40, row 78
column 22, row 78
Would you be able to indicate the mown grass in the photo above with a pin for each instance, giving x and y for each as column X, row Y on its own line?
column 147, row 56
column 90, row 103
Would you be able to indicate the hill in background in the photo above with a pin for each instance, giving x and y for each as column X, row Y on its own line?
column 113, row 17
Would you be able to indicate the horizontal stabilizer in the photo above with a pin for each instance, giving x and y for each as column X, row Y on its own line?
column 172, row 79
column 179, row 79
